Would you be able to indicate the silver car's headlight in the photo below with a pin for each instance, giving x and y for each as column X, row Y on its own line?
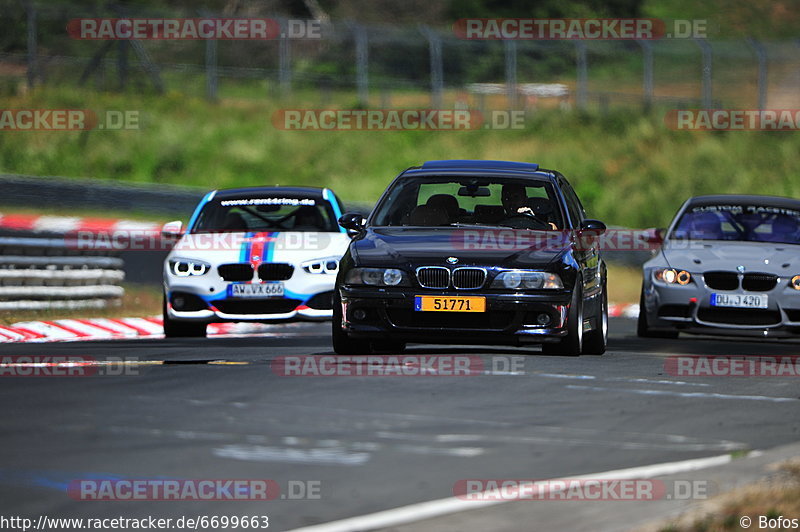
column 525, row 279
column 188, row 267
column 672, row 276
column 377, row 277
column 328, row 265
column 795, row 282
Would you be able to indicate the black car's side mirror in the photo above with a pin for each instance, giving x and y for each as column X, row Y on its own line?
column 593, row 226
column 353, row 222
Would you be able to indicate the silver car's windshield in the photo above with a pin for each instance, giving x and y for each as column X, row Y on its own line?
column 742, row 223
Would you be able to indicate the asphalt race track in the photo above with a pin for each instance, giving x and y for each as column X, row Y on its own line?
column 367, row 443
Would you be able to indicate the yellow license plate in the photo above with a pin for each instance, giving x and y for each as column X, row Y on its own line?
column 450, row 304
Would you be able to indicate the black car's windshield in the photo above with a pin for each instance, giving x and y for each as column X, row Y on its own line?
column 743, row 223
column 266, row 213
column 479, row 201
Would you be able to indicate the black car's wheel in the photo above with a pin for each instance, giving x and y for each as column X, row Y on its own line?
column 181, row 329
column 572, row 343
column 596, row 340
column 342, row 344
column 643, row 330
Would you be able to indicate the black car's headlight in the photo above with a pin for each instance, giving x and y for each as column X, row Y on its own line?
column 188, row 267
column 672, row 276
column 525, row 279
column 329, row 265
column 377, row 277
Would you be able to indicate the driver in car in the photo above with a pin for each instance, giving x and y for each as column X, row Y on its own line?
column 515, row 201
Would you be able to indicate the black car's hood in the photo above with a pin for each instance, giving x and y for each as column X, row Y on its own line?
column 385, row 246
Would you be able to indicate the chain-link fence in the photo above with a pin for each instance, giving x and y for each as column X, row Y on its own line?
column 393, row 66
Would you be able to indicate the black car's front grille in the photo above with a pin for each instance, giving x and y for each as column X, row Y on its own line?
column 257, row 306
column 240, row 271
column 739, row 316
column 433, row 277
column 495, row 320
column 721, row 280
column 468, row 278
column 759, row 282
column 275, row 271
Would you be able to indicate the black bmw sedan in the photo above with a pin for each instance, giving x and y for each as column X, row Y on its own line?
column 473, row 252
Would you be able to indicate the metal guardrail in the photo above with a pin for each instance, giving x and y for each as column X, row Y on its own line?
column 46, row 273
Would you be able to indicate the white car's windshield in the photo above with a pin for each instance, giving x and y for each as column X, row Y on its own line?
column 744, row 223
column 266, row 213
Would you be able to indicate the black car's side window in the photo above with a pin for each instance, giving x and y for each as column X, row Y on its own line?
column 576, row 212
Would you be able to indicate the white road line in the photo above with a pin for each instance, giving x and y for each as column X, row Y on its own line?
column 692, row 395
column 436, row 508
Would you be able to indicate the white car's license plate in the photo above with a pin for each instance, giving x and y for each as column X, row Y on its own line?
column 739, row 300
column 255, row 290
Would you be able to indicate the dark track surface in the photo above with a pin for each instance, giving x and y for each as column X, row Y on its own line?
column 373, row 443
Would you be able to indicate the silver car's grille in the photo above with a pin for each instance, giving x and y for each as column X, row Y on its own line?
column 721, row 280
column 468, row 278
column 759, row 282
column 433, row 277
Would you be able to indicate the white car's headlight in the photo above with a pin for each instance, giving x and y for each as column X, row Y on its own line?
column 377, row 277
column 329, row 265
column 525, row 279
column 188, row 267
column 671, row 276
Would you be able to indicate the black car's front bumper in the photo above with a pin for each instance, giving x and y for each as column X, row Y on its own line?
column 512, row 319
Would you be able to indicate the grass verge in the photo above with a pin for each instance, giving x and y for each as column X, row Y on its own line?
column 139, row 300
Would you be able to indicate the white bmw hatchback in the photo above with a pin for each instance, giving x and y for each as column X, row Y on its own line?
column 253, row 254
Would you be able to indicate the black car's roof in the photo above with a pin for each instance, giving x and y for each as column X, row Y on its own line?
column 743, row 199
column 479, row 167
column 308, row 192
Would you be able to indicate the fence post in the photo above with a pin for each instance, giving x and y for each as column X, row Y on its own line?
column 437, row 76
column 647, row 73
column 511, row 73
column 582, row 74
column 705, row 48
column 362, row 64
column 32, row 44
column 211, row 69
column 761, row 54
column 284, row 59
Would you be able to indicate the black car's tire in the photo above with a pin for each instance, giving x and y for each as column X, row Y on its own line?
column 643, row 330
column 181, row 329
column 572, row 343
column 342, row 344
column 596, row 340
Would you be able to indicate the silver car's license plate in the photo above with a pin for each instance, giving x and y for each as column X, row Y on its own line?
column 739, row 300
column 255, row 290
